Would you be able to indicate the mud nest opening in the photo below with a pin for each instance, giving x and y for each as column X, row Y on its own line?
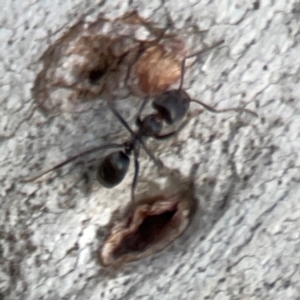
column 148, row 227
column 151, row 229
column 108, row 59
column 96, row 74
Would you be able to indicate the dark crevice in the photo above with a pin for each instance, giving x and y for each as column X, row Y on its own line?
column 256, row 5
column 148, row 232
column 95, row 75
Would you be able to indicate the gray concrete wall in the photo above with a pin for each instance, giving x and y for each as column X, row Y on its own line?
column 243, row 242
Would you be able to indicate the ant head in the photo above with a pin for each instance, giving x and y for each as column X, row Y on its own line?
column 151, row 125
column 113, row 169
column 172, row 105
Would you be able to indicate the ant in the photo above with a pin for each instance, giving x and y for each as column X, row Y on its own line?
column 170, row 107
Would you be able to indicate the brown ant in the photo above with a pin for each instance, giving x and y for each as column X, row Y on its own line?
column 170, row 107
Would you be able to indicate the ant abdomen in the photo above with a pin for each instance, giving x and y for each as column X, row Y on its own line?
column 113, row 169
column 172, row 105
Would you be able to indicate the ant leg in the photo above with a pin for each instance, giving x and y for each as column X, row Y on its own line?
column 105, row 147
column 136, row 174
column 138, row 115
column 158, row 163
column 237, row 109
column 182, row 66
column 120, row 118
column 182, row 71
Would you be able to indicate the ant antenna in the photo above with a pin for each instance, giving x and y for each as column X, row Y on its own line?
column 200, row 102
column 217, row 111
column 192, row 55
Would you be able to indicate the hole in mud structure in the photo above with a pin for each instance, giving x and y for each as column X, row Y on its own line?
column 108, row 59
column 147, row 228
column 151, row 229
column 95, row 75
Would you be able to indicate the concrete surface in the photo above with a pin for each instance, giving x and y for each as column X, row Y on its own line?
column 243, row 243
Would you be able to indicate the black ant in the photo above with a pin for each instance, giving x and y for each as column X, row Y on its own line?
column 170, row 107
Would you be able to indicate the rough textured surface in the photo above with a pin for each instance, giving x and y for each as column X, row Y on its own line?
column 244, row 241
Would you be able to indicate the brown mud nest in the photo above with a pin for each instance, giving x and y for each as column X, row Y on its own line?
column 147, row 228
column 108, row 59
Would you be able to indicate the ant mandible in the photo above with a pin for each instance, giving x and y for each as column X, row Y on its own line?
column 170, row 106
